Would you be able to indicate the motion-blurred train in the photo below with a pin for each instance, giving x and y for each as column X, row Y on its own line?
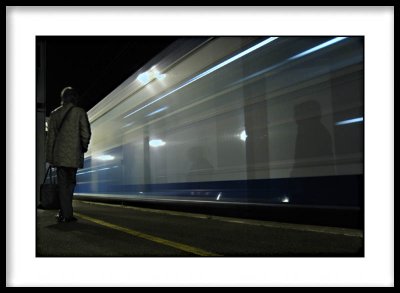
column 266, row 124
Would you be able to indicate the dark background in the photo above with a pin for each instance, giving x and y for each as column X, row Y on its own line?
column 94, row 65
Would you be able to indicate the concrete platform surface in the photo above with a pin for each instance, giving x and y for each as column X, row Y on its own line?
column 125, row 231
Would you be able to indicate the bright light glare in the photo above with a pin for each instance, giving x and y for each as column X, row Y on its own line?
column 319, row 47
column 105, row 158
column 127, row 125
column 243, row 135
column 270, row 68
column 285, row 199
column 219, row 195
column 143, row 78
column 95, row 170
column 160, row 76
column 207, row 72
column 157, row 111
column 156, row 142
column 349, row 121
column 147, row 76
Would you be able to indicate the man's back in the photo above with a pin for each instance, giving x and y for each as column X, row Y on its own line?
column 66, row 146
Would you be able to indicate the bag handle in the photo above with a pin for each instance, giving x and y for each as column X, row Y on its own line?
column 50, row 168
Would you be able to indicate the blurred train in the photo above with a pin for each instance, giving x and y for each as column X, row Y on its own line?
column 273, row 123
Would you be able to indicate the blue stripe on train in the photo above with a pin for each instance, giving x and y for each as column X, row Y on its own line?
column 344, row 190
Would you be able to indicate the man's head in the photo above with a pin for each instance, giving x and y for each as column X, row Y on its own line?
column 69, row 95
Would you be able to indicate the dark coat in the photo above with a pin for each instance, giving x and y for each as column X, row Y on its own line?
column 67, row 147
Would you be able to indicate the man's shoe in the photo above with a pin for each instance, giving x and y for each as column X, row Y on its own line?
column 59, row 215
column 60, row 219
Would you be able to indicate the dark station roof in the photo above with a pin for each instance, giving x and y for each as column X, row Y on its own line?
column 95, row 65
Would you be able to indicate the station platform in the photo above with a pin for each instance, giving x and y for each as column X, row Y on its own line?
column 111, row 230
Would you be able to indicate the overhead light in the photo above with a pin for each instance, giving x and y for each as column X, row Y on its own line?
column 144, row 77
column 156, row 142
column 149, row 75
column 349, row 121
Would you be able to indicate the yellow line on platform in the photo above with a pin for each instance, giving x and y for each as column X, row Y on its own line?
column 156, row 239
column 268, row 224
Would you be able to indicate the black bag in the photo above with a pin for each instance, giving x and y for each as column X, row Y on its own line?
column 49, row 199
